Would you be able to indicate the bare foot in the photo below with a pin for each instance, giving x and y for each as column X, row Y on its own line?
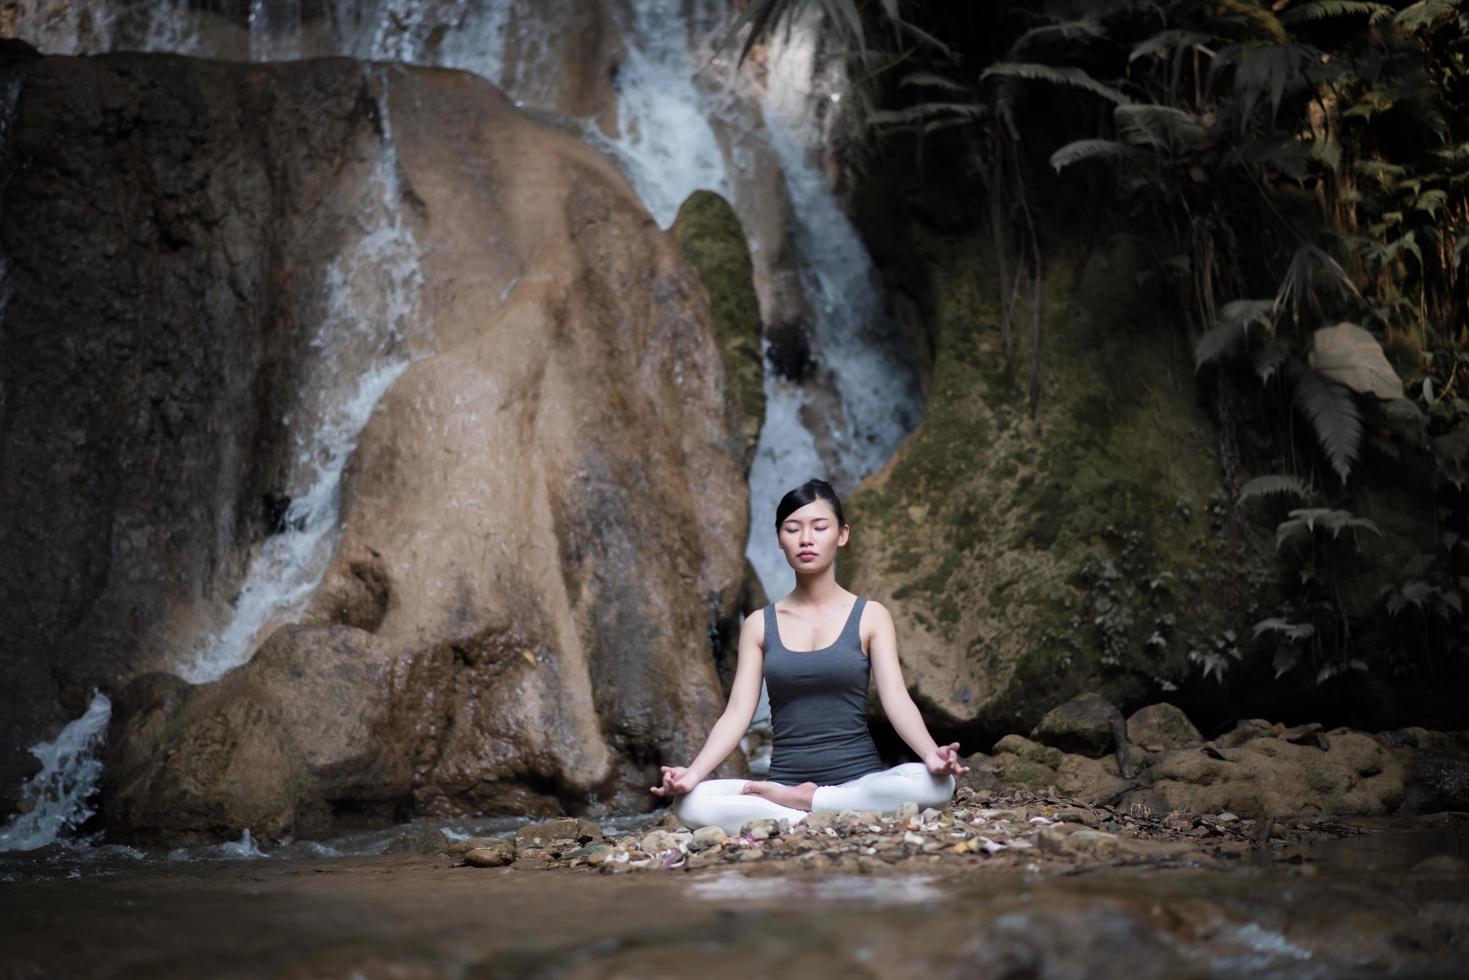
column 795, row 797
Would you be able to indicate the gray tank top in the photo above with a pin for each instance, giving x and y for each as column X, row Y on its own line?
column 818, row 707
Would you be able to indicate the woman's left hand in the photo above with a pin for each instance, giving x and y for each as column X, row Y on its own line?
column 944, row 761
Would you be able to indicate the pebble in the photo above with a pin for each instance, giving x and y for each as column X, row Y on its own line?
column 706, row 837
column 764, row 829
column 494, row 853
column 567, row 828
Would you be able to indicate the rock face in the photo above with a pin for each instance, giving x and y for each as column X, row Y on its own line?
column 543, row 521
column 1026, row 560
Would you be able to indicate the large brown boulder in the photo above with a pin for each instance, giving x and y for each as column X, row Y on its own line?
column 543, row 521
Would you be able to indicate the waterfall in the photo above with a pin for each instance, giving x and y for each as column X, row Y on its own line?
column 56, row 797
column 359, row 348
column 672, row 98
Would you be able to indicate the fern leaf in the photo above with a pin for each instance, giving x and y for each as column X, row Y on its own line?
column 1335, row 8
column 1273, row 485
column 1333, row 415
column 1159, row 126
column 1068, row 30
column 1291, row 631
column 1079, row 150
column 1244, row 313
column 1310, row 269
column 1069, row 76
column 1164, row 40
column 1215, row 342
column 928, row 79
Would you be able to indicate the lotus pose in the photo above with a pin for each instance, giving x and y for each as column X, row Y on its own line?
column 823, row 757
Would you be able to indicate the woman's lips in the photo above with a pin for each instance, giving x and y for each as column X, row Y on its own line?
column 806, row 554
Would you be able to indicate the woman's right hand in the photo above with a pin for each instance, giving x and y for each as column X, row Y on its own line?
column 676, row 780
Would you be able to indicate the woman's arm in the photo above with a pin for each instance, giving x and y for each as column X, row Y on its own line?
column 744, row 696
column 898, row 705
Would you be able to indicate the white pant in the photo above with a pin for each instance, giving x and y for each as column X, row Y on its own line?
column 719, row 802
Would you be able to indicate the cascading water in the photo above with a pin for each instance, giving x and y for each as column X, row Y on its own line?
column 371, row 288
column 670, row 98
column 56, row 798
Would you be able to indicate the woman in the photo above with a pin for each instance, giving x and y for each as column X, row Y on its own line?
column 823, row 757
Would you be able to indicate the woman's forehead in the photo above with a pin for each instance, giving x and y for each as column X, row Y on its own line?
column 813, row 510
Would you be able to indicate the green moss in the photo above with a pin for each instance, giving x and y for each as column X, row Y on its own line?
column 1046, row 533
column 709, row 232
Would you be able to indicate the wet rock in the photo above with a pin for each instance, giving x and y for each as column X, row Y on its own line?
column 1265, row 776
column 1084, row 725
column 705, row 838
column 818, row 821
column 1245, row 730
column 764, row 829
column 497, row 853
column 1159, row 727
column 462, row 847
column 659, row 841
column 544, row 834
column 1022, row 762
column 419, row 840
column 856, row 821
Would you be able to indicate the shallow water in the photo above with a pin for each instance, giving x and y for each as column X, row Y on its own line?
column 1348, row 908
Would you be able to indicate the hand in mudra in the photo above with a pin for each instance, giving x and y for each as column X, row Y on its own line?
column 944, row 761
column 676, row 780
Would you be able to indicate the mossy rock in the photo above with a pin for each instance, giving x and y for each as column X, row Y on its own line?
column 1025, row 559
column 709, row 232
column 1159, row 727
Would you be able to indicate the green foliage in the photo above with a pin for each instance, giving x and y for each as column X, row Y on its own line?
column 1298, row 173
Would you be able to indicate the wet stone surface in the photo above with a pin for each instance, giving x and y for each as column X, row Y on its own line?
column 1005, row 829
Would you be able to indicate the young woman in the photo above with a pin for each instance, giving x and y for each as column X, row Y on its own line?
column 823, row 757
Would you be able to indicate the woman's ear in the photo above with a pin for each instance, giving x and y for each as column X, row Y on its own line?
column 844, row 534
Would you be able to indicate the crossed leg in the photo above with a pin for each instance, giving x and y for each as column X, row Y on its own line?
column 723, row 802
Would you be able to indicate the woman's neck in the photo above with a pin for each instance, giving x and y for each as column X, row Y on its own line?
column 818, row 591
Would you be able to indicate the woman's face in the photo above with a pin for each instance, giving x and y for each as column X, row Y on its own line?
column 810, row 537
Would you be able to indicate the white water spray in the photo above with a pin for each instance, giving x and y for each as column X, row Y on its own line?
column 57, row 797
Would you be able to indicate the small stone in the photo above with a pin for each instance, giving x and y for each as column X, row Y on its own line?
column 585, row 853
column 462, row 847
column 906, row 812
column 929, row 815
column 917, row 840
column 568, row 828
column 820, row 820
column 706, row 837
column 659, row 841
column 761, row 829
column 1076, row 814
column 856, row 821
column 494, row 854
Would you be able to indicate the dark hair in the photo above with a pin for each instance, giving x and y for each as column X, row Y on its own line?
column 805, row 494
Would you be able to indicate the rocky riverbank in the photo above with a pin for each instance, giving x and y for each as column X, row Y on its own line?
column 1098, row 892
